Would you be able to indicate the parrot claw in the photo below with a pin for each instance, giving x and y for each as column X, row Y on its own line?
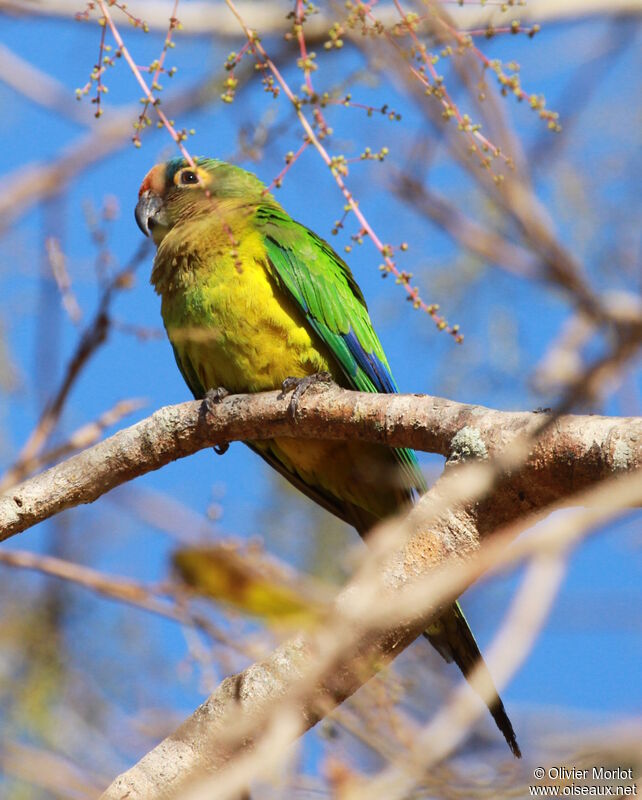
column 298, row 387
column 212, row 398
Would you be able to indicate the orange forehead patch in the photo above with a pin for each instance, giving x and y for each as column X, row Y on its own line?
column 154, row 181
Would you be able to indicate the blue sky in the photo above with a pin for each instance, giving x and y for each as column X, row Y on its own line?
column 588, row 657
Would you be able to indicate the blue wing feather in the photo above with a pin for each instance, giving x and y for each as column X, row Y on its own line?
column 378, row 372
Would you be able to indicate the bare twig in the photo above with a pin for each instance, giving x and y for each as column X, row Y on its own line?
column 39, row 87
column 83, row 437
column 164, row 119
column 94, row 335
column 475, row 237
column 449, row 726
column 388, row 266
column 125, row 590
column 54, row 773
column 61, row 275
column 34, row 182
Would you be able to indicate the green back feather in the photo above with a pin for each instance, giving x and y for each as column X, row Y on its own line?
column 307, row 268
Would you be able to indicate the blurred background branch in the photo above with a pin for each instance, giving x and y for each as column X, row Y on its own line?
column 269, row 17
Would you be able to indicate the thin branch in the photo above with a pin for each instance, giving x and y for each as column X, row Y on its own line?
column 147, row 92
column 39, row 87
column 389, row 266
column 450, row 725
column 124, row 590
column 56, row 775
column 58, row 264
column 81, row 438
column 480, row 239
column 32, row 183
column 91, row 339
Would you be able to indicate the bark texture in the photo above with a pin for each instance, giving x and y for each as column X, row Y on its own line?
column 535, row 462
column 573, row 452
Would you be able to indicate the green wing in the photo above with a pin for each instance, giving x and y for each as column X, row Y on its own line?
column 308, row 269
column 189, row 374
column 322, row 285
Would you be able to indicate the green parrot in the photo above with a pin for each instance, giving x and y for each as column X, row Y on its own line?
column 251, row 298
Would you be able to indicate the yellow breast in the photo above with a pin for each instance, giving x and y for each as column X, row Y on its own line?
column 236, row 328
column 232, row 327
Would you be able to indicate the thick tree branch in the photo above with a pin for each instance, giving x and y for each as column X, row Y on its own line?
column 572, row 453
column 312, row 674
column 304, row 679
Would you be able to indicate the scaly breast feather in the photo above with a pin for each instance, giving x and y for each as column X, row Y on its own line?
column 224, row 313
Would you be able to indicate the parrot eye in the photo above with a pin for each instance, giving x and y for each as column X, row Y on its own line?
column 188, row 177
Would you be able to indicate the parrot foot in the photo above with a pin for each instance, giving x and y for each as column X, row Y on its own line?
column 212, row 398
column 298, row 387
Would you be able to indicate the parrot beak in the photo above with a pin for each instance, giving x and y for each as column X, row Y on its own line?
column 149, row 212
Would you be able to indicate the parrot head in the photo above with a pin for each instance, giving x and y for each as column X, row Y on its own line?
column 178, row 190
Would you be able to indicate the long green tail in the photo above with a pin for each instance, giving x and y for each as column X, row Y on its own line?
column 452, row 637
